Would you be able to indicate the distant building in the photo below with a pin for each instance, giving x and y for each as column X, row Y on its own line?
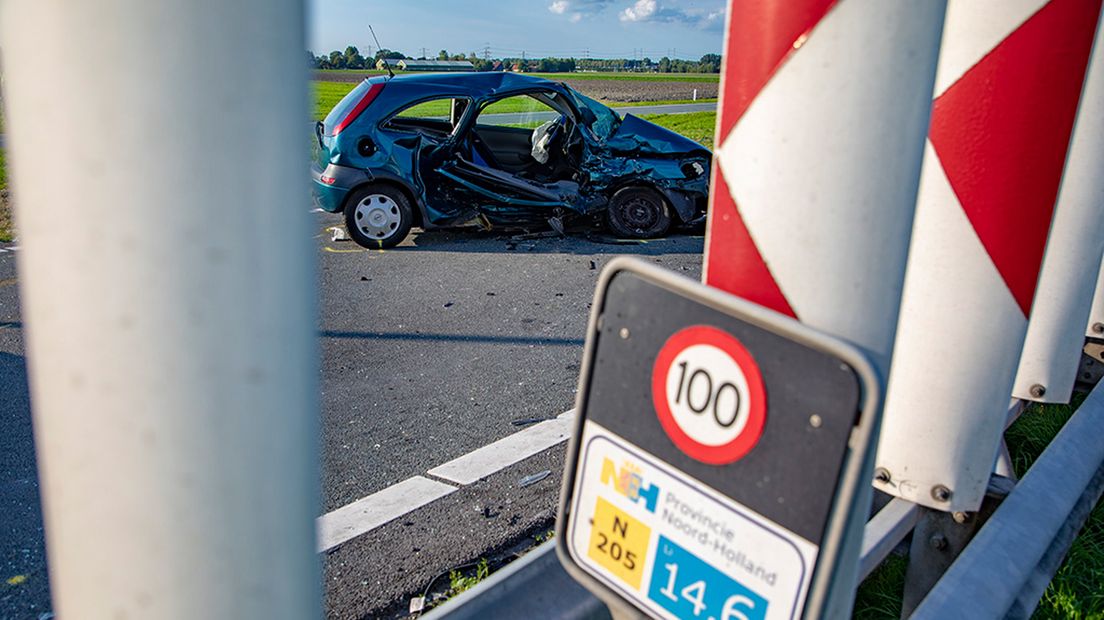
column 409, row 64
column 383, row 63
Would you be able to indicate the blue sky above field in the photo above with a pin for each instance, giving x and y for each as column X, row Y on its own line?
column 562, row 28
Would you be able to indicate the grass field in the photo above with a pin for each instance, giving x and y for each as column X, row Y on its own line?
column 643, row 77
column 325, row 96
column 697, row 126
column 1077, row 590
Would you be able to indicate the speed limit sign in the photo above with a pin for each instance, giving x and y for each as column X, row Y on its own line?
column 717, row 455
column 709, row 394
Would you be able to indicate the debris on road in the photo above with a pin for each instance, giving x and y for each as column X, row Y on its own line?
column 548, row 234
column 339, row 233
column 535, row 478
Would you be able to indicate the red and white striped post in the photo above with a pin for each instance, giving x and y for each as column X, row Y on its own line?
column 824, row 109
column 1009, row 80
column 823, row 112
column 1052, row 348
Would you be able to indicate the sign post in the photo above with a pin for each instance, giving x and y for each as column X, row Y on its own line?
column 718, row 451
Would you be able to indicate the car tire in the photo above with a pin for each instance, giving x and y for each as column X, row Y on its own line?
column 378, row 216
column 638, row 213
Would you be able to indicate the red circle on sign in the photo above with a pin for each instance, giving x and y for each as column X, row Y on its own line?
column 738, row 447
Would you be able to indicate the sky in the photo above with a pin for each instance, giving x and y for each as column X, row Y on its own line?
column 563, row 28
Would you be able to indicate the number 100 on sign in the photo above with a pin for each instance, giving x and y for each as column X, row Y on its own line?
column 689, row 588
column 708, row 393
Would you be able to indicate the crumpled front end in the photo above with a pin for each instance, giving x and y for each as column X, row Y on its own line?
column 642, row 153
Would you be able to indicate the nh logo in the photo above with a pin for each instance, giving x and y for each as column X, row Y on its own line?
column 629, row 483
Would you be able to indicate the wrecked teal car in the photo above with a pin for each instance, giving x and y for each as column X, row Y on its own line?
column 499, row 150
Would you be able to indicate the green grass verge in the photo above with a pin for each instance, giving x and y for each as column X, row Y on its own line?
column 697, row 126
column 1077, row 590
column 459, row 582
column 7, row 228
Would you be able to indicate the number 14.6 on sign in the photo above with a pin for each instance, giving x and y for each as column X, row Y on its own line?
column 687, row 587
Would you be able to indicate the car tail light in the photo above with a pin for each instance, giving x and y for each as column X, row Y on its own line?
column 361, row 105
column 328, row 180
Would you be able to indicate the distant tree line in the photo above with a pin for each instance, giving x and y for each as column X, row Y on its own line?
column 352, row 59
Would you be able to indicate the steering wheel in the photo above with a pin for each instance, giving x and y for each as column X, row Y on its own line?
column 543, row 137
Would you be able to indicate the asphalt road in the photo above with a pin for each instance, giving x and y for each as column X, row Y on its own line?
column 428, row 352
column 24, row 588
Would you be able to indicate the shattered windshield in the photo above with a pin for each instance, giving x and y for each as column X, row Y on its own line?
column 606, row 120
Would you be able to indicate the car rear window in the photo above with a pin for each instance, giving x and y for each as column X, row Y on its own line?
column 432, row 117
column 343, row 107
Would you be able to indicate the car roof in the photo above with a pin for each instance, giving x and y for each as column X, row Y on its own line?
column 466, row 84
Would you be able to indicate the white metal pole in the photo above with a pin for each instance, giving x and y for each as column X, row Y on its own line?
column 1006, row 95
column 1096, row 312
column 820, row 138
column 1052, row 347
column 166, row 278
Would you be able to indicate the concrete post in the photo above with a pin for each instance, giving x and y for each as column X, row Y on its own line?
column 159, row 155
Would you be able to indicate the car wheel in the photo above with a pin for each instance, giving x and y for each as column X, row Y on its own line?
column 378, row 216
column 638, row 213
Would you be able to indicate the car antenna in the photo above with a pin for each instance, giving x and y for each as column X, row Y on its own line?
column 387, row 65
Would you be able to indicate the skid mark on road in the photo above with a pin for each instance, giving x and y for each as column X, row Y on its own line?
column 381, row 507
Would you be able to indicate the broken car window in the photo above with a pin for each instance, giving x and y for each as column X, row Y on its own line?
column 437, row 117
column 518, row 111
column 606, row 120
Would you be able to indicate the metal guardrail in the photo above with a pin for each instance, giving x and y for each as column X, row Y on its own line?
column 1006, row 568
column 536, row 586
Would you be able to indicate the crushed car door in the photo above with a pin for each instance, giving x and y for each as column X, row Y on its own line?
column 421, row 135
column 493, row 168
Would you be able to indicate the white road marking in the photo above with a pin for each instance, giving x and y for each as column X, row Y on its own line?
column 505, row 452
column 381, row 507
column 370, row 512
